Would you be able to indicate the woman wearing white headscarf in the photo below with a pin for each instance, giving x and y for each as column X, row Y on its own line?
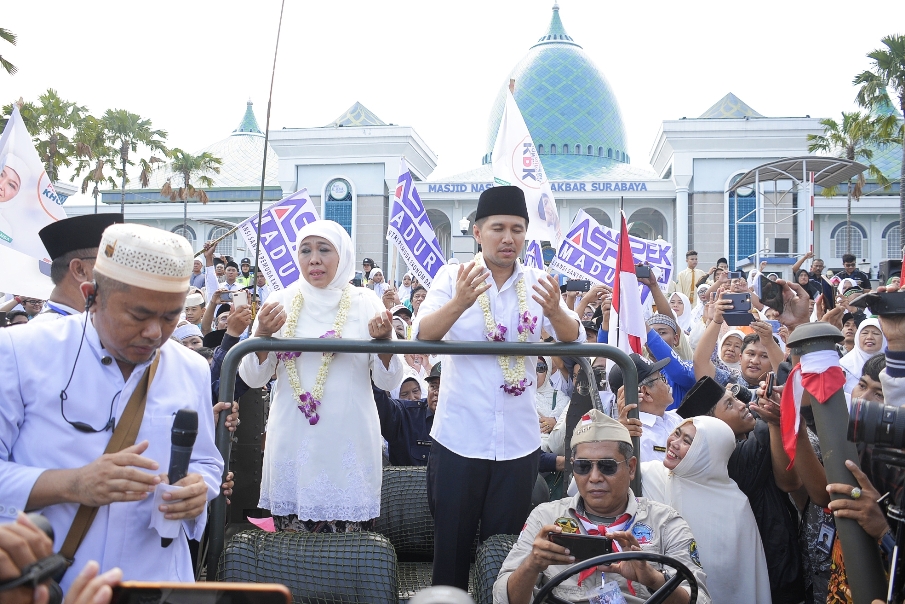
column 868, row 343
column 405, row 290
column 730, row 350
column 322, row 464
column 377, row 282
column 681, row 308
column 694, row 480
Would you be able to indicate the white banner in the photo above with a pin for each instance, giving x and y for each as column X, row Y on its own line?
column 516, row 162
column 28, row 202
column 25, row 276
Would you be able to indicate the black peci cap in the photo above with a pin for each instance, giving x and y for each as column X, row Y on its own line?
column 502, row 201
column 702, row 397
column 76, row 233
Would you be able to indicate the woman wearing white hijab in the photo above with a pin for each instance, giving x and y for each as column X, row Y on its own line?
column 694, row 480
column 868, row 343
column 322, row 466
column 681, row 308
column 405, row 290
column 730, row 350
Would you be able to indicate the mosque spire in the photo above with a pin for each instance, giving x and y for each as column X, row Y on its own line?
column 556, row 33
column 249, row 124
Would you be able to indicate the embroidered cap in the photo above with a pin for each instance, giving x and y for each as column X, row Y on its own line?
column 595, row 427
column 186, row 331
column 660, row 319
column 145, row 257
column 194, row 300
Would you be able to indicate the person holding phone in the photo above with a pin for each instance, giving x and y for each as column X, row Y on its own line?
column 603, row 465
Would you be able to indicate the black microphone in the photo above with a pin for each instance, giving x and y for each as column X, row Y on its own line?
column 182, row 437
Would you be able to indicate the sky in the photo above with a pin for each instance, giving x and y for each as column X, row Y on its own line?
column 191, row 65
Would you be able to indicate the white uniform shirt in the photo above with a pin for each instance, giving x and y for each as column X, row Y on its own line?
column 210, row 278
column 474, row 417
column 34, row 437
column 53, row 311
column 654, row 432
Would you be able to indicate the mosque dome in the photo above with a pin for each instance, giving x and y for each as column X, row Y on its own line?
column 241, row 153
column 567, row 104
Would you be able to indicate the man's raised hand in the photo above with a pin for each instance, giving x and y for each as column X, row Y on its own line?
column 471, row 282
column 547, row 295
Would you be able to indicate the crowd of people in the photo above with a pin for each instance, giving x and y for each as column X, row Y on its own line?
column 137, row 328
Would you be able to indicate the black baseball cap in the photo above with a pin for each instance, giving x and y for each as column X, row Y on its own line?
column 434, row 374
column 644, row 367
column 368, row 261
column 246, row 261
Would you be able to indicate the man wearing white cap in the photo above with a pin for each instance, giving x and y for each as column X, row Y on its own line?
column 604, row 464
column 189, row 336
column 86, row 409
column 194, row 308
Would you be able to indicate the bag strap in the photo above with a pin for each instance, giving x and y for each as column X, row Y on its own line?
column 124, row 435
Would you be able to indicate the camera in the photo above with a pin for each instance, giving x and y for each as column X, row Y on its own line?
column 741, row 393
column 877, row 424
column 48, row 571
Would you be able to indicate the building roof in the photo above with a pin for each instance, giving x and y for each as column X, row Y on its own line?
column 356, row 115
column 242, row 153
column 564, row 98
column 730, row 106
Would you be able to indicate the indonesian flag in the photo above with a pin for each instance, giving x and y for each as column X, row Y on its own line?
column 626, row 315
column 820, row 374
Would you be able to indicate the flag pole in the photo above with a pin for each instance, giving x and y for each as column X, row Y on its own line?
column 273, row 72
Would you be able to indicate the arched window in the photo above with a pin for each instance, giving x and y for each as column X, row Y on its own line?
column 552, row 149
column 893, row 236
column 590, row 150
column 540, row 150
column 599, row 151
column 847, row 239
column 338, row 203
column 188, row 234
column 565, row 149
column 578, row 149
column 609, row 153
column 227, row 247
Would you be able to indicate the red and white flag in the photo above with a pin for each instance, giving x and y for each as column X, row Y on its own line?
column 820, row 374
column 626, row 315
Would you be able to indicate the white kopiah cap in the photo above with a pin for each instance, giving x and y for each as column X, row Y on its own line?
column 184, row 331
column 145, row 257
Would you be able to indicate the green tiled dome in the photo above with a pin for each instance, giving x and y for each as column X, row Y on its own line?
column 566, row 101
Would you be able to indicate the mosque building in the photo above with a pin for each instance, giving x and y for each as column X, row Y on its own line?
column 679, row 193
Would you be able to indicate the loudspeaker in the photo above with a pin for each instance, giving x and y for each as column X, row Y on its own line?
column 889, row 268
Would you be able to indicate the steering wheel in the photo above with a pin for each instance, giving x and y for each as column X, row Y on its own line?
column 658, row 597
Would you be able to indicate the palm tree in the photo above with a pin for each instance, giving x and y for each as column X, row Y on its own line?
column 94, row 155
column 854, row 139
column 187, row 166
column 126, row 131
column 10, row 37
column 887, row 73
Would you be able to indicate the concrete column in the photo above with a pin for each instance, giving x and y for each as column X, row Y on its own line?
column 680, row 240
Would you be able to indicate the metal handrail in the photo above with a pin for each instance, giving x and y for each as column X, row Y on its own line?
column 251, row 345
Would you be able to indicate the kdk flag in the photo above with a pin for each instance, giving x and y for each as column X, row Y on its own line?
column 280, row 225
column 590, row 251
column 411, row 232
column 28, row 201
column 516, row 162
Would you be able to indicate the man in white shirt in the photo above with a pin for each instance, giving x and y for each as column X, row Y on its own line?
column 64, row 388
column 484, row 459
column 210, row 274
column 72, row 246
column 654, row 396
column 262, row 288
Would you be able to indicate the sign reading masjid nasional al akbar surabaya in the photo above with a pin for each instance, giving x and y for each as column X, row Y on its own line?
column 556, row 187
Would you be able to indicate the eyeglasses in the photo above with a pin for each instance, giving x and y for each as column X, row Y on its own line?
column 607, row 467
column 34, row 302
column 652, row 381
column 849, row 264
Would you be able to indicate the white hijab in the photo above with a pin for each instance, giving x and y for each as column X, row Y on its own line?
column 405, row 291
column 853, row 361
column 685, row 320
column 719, row 348
column 379, row 288
column 324, row 302
column 697, row 313
column 718, row 513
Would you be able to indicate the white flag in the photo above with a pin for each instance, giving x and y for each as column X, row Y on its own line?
column 28, row 202
column 516, row 162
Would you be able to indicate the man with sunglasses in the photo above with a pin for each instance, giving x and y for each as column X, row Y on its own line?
column 850, row 271
column 603, row 463
column 72, row 247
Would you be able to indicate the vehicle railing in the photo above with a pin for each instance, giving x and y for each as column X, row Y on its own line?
column 217, row 520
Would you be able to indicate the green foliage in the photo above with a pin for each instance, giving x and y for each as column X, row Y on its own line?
column 10, row 37
column 188, row 167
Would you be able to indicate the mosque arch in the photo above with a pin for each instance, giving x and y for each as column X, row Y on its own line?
column 648, row 223
column 599, row 215
column 442, row 229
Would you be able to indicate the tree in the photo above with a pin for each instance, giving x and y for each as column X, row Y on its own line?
column 51, row 122
column 126, row 131
column 887, row 73
column 854, row 139
column 94, row 155
column 10, row 37
column 188, row 166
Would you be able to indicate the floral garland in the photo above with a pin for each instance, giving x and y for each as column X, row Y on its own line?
column 515, row 379
column 311, row 400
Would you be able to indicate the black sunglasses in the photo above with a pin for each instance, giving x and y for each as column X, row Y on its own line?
column 607, row 467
